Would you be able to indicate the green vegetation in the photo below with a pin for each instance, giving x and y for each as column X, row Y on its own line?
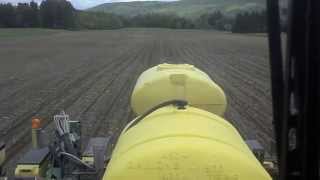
column 184, row 8
column 250, row 22
column 226, row 15
column 51, row 14
column 160, row 21
column 60, row 14
column 98, row 20
column 57, row 14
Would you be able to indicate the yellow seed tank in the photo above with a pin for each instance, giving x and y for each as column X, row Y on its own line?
column 191, row 143
column 177, row 81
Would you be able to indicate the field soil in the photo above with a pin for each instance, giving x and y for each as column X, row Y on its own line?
column 91, row 74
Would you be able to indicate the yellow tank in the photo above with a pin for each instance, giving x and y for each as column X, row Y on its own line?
column 177, row 81
column 183, row 144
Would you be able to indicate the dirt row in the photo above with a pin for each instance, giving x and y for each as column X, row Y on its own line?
column 91, row 74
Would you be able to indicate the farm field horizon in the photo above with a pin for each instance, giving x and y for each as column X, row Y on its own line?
column 91, row 74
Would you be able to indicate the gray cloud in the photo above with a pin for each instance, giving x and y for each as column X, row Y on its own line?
column 81, row 4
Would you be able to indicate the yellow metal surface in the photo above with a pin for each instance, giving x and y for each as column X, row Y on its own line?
column 35, row 133
column 2, row 156
column 177, row 81
column 189, row 144
column 26, row 170
column 88, row 160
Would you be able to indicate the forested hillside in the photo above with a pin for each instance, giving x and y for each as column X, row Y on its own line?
column 211, row 14
column 185, row 8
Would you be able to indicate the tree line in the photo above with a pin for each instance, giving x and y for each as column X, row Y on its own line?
column 159, row 20
column 23, row 15
column 250, row 22
column 60, row 14
column 244, row 22
column 50, row 14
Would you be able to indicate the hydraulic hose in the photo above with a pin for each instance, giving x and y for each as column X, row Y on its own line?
column 180, row 104
column 77, row 160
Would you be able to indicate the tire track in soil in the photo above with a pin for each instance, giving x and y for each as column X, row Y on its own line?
column 118, row 109
column 248, row 94
column 202, row 62
column 59, row 95
column 62, row 99
column 14, row 106
column 99, row 95
column 15, row 101
column 248, row 125
column 184, row 54
column 117, row 112
column 101, row 103
column 237, row 67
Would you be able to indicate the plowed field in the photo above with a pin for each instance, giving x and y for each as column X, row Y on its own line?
column 91, row 74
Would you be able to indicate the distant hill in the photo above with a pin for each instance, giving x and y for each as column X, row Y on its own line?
column 184, row 8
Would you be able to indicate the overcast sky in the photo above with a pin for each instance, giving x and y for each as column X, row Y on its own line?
column 80, row 4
